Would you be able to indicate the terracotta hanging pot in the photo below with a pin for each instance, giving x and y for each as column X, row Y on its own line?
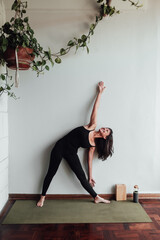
column 25, row 58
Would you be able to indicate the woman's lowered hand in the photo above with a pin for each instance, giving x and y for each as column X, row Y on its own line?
column 92, row 182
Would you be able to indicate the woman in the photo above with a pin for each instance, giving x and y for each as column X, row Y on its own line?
column 86, row 137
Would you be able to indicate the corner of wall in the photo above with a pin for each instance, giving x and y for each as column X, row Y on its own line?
column 3, row 134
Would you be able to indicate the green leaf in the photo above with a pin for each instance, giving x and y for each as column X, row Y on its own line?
column 52, row 63
column 111, row 12
column 38, row 63
column 4, row 41
column 84, row 38
column 87, row 49
column 1, row 89
column 35, row 68
column 97, row 18
column 43, row 62
column 46, row 53
column 31, row 31
column 47, row 67
column 14, row 6
column 92, row 26
column 77, row 48
column 83, row 45
column 49, row 55
column 2, row 76
column 4, row 48
column 6, row 27
column 34, row 40
column 92, row 32
column 70, row 43
column 12, row 19
column 62, row 51
column 79, row 40
column 58, row 60
column 23, row 45
column 8, row 87
column 26, row 19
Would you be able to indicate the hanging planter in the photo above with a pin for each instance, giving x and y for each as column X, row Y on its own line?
column 19, row 48
column 19, row 58
column 24, row 57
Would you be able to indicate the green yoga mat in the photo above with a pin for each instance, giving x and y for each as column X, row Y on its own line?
column 75, row 211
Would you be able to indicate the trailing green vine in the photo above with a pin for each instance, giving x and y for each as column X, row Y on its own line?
column 18, row 32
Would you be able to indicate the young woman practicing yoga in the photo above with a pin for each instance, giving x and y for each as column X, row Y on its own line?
column 67, row 147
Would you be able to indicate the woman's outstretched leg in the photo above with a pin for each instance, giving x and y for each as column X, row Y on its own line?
column 55, row 160
column 74, row 163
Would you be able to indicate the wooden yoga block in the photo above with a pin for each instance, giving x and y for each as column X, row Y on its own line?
column 120, row 192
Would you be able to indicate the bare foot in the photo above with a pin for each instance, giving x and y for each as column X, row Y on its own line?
column 41, row 201
column 98, row 199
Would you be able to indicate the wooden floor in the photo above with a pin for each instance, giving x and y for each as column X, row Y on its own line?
column 118, row 231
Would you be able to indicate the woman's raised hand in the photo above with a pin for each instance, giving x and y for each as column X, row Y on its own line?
column 101, row 86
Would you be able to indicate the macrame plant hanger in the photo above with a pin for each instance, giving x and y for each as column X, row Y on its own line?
column 17, row 69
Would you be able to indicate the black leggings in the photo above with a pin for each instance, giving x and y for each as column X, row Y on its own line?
column 74, row 162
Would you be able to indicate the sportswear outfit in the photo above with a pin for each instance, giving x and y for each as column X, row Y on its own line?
column 67, row 148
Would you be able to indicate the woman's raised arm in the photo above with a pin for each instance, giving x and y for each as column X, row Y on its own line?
column 93, row 118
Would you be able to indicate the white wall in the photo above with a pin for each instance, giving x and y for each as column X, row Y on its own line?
column 157, row 108
column 123, row 53
column 3, row 134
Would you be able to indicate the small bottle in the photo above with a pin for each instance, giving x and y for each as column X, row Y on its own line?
column 135, row 194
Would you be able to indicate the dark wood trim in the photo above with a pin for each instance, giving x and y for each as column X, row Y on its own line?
column 146, row 195
column 78, row 196
column 6, row 209
column 56, row 196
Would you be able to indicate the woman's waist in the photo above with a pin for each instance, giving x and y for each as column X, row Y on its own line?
column 67, row 146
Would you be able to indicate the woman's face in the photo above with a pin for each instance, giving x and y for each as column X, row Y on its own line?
column 105, row 132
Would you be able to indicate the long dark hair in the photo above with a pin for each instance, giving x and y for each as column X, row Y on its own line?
column 105, row 146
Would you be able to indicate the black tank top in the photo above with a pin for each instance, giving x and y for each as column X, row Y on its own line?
column 78, row 137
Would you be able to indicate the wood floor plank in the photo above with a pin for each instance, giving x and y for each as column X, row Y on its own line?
column 109, row 235
column 142, row 226
column 128, row 235
column 110, row 227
